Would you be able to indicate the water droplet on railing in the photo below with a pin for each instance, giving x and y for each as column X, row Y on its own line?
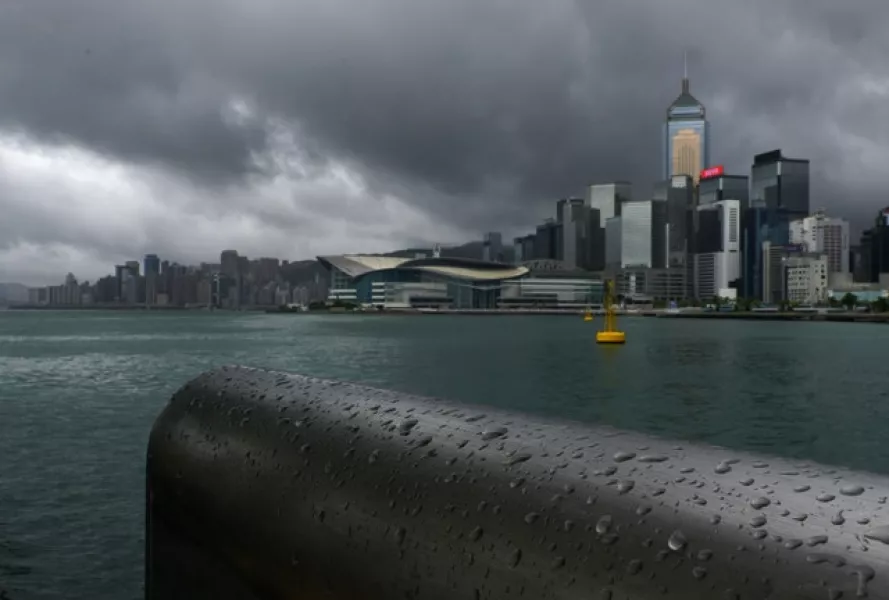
column 604, row 524
column 677, row 541
column 758, row 521
column 634, row 566
column 879, row 534
column 625, row 486
column 760, row 503
column 851, row 490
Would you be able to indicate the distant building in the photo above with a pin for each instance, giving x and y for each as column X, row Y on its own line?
column 492, row 246
column 548, row 241
column 809, row 271
column 780, row 184
column 821, row 234
column 717, row 262
column 716, row 185
column 608, row 198
column 686, row 136
column 643, row 234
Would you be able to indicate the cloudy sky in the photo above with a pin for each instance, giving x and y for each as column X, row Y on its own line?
column 293, row 128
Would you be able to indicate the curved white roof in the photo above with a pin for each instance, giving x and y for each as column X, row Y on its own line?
column 355, row 265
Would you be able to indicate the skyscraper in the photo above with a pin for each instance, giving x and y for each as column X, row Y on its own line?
column 686, row 136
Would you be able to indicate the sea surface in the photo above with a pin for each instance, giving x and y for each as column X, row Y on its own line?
column 79, row 392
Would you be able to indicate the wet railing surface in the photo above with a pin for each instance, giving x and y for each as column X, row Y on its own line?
column 271, row 485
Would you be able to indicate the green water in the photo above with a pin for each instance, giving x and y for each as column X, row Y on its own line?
column 79, row 392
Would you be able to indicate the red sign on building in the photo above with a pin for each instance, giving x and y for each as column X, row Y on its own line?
column 712, row 172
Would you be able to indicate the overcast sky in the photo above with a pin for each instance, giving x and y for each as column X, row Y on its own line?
column 292, row 128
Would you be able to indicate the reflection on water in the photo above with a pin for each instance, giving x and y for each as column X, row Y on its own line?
column 79, row 391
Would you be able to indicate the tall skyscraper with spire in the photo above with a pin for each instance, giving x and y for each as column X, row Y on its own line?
column 686, row 135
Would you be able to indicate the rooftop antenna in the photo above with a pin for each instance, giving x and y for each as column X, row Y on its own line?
column 685, row 72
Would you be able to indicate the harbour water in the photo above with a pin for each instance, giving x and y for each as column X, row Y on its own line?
column 80, row 390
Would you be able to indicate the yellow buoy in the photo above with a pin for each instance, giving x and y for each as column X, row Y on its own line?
column 610, row 334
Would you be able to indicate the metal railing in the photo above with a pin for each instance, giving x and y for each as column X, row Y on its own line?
column 270, row 485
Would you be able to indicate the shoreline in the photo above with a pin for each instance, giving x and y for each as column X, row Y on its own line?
column 836, row 317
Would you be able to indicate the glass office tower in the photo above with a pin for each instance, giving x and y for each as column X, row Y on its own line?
column 686, row 137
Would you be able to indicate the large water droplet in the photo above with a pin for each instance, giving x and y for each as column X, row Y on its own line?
column 634, row 566
column 758, row 521
column 802, row 488
column 492, row 433
column 747, row 482
column 824, row 497
column 604, row 524
column 624, row 456
column 515, row 557
column 625, row 486
column 816, row 540
column 760, row 503
column 705, row 555
column 838, row 519
column 851, row 490
column 879, row 534
column 722, row 468
column 407, row 425
column 677, row 541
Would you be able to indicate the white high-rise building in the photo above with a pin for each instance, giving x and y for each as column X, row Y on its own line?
column 643, row 234
column 608, row 198
column 718, row 262
column 821, row 234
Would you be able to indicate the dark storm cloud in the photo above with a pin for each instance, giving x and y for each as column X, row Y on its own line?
column 474, row 110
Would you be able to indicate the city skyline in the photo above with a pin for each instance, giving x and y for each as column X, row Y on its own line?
column 228, row 146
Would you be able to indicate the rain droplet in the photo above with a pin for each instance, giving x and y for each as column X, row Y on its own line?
column 699, row 573
column 816, row 540
column 515, row 557
column 722, row 468
column 838, row 519
column 624, row 456
column 705, row 555
column 625, row 486
column 677, row 541
column 793, row 544
column 407, row 425
column 760, row 503
column 400, row 534
column 760, row 465
column 558, row 563
column 715, row 520
column 604, row 524
column 758, row 521
column 494, row 432
column 531, row 517
column 879, row 534
column 643, row 510
column 851, row 490
column 824, row 497
column 653, row 458
column 518, row 458
column 687, row 470
column 802, row 488
column 746, row 482
column 634, row 566
column 475, row 534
